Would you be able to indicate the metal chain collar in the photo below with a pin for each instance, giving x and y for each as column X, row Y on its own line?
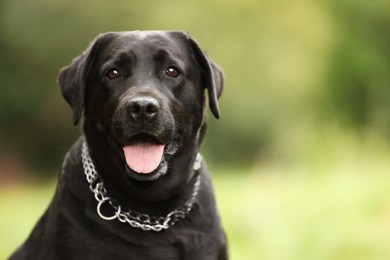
column 133, row 218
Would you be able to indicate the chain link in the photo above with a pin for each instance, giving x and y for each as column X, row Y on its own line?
column 133, row 218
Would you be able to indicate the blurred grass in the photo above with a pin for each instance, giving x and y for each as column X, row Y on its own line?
column 337, row 216
column 21, row 207
column 336, row 207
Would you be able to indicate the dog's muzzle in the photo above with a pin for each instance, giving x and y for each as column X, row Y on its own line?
column 144, row 132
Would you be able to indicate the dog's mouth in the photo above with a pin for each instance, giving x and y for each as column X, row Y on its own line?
column 146, row 156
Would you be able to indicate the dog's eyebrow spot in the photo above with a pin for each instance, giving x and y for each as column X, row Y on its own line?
column 160, row 56
column 126, row 58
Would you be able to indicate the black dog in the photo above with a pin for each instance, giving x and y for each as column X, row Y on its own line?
column 134, row 186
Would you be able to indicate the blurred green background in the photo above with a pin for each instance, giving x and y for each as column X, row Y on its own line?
column 301, row 155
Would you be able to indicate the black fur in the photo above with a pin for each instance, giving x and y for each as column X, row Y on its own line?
column 71, row 228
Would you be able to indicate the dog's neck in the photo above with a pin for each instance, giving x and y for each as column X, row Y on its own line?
column 135, row 219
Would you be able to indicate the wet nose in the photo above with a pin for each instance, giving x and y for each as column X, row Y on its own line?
column 141, row 109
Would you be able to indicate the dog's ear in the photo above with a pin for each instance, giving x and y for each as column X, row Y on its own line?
column 213, row 74
column 215, row 87
column 73, row 78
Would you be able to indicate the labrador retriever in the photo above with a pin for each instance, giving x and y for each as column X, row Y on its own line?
column 134, row 185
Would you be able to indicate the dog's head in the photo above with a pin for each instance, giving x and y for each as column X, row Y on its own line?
column 145, row 93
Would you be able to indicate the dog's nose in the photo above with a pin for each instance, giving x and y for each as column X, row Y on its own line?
column 143, row 109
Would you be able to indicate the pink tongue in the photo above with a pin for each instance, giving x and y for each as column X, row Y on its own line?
column 143, row 157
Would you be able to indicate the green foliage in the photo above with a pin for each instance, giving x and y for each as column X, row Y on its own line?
column 358, row 75
column 292, row 69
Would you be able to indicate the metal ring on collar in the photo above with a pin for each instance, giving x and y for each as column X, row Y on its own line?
column 105, row 217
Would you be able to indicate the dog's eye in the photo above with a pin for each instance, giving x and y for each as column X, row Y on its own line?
column 172, row 72
column 113, row 74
